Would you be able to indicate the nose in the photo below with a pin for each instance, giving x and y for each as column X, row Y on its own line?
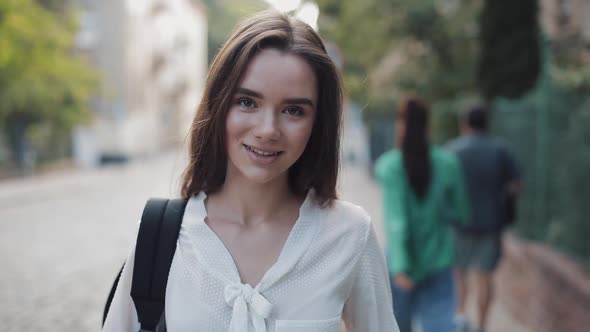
column 267, row 127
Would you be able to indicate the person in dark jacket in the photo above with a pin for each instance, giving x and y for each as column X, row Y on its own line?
column 491, row 175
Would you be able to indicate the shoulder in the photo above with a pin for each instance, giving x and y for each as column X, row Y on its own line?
column 447, row 162
column 501, row 144
column 346, row 219
column 348, row 213
column 456, row 144
column 444, row 157
column 389, row 158
column 388, row 164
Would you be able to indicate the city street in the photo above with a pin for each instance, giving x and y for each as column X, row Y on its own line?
column 64, row 236
column 97, row 96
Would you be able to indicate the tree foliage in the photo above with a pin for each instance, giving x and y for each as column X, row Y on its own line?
column 510, row 48
column 40, row 77
column 547, row 128
column 425, row 46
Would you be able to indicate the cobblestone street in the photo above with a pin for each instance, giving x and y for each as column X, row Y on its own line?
column 63, row 237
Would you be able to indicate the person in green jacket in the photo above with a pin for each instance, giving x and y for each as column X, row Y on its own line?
column 423, row 195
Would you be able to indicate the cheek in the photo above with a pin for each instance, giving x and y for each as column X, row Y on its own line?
column 234, row 126
column 300, row 136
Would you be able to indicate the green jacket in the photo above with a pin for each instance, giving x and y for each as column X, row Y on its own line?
column 418, row 232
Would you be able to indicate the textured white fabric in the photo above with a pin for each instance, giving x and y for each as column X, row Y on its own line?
column 243, row 297
column 331, row 268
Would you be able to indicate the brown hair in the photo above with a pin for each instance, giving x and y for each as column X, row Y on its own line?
column 318, row 166
column 415, row 146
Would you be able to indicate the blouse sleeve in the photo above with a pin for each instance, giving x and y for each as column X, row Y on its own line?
column 395, row 219
column 122, row 316
column 369, row 305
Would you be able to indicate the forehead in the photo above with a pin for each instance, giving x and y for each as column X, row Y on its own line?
column 277, row 74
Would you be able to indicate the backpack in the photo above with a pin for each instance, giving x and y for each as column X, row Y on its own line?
column 509, row 207
column 154, row 250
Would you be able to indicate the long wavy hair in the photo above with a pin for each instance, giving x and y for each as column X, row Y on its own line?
column 319, row 164
column 415, row 146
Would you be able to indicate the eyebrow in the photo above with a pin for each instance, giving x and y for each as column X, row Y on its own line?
column 297, row 101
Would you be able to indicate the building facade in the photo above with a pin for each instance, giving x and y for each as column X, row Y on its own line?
column 152, row 57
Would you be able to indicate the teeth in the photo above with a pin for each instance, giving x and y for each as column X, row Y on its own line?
column 260, row 152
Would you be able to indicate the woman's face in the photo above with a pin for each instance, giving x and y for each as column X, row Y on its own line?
column 271, row 117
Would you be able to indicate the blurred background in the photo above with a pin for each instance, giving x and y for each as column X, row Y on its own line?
column 96, row 98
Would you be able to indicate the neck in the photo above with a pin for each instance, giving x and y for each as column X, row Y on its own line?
column 251, row 203
column 468, row 131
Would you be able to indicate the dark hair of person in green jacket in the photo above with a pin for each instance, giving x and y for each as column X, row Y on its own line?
column 423, row 195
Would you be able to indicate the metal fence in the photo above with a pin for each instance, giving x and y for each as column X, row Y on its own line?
column 549, row 133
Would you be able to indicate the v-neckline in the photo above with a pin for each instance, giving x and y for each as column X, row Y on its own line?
column 299, row 238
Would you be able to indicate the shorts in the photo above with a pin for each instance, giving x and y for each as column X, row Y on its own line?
column 480, row 252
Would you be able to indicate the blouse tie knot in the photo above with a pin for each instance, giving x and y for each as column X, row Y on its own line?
column 248, row 306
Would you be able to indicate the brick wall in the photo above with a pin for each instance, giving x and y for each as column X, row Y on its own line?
column 543, row 289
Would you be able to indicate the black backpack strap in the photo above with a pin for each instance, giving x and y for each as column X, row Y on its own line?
column 154, row 250
column 107, row 305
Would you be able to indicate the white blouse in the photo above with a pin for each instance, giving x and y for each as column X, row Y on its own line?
column 330, row 268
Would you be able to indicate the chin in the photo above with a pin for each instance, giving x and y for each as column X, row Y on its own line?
column 256, row 174
column 260, row 178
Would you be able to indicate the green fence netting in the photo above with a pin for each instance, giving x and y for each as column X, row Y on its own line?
column 549, row 132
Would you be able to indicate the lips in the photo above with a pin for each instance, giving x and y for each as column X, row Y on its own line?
column 262, row 156
column 261, row 152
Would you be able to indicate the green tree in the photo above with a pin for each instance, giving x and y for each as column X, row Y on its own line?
column 41, row 80
column 510, row 48
column 425, row 46
column 393, row 47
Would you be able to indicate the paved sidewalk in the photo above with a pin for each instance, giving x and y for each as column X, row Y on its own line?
column 63, row 237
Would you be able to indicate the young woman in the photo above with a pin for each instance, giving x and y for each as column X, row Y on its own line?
column 265, row 245
column 423, row 195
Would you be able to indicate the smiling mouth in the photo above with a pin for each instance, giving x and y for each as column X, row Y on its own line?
column 262, row 153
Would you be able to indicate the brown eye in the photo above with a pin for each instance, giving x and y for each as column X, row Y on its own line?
column 294, row 111
column 246, row 102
